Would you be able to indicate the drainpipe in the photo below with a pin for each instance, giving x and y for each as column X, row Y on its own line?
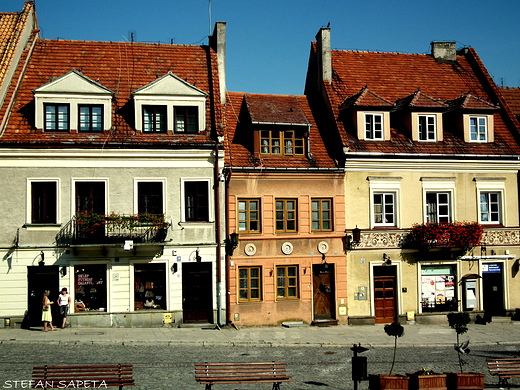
column 218, row 254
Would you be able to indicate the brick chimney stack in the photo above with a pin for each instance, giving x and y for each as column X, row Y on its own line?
column 324, row 55
column 444, row 51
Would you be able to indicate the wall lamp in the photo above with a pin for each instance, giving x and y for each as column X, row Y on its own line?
column 386, row 259
column 41, row 263
column 232, row 243
column 351, row 241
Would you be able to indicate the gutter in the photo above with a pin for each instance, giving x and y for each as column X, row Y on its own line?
column 279, row 169
column 431, row 155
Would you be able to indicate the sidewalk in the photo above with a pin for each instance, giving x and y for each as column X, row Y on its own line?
column 494, row 333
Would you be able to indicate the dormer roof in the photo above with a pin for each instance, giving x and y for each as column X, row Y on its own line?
column 72, row 82
column 171, row 85
column 419, row 100
column 366, row 98
column 275, row 109
column 470, row 102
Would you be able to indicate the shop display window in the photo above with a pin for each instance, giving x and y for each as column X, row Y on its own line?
column 438, row 292
column 150, row 286
column 90, row 288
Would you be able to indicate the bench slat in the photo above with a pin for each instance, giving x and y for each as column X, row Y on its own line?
column 216, row 373
column 111, row 375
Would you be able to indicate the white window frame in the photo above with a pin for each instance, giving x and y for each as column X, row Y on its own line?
column 28, row 218
column 385, row 185
column 489, row 125
column 438, row 186
column 430, row 135
column 478, row 127
column 487, row 186
column 371, row 134
column 149, row 180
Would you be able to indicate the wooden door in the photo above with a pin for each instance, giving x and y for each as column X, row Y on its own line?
column 323, row 297
column 197, row 293
column 384, row 299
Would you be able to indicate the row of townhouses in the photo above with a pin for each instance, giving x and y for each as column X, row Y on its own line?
column 389, row 190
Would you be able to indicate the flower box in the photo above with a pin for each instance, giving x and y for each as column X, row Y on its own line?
column 382, row 382
column 431, row 381
column 465, row 381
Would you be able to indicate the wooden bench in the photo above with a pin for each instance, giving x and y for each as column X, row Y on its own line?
column 48, row 377
column 216, row 373
column 504, row 369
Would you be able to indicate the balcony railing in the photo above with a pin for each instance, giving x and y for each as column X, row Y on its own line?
column 100, row 229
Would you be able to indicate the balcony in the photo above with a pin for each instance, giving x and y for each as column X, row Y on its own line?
column 98, row 229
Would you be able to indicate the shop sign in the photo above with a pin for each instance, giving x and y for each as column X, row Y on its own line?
column 491, row 268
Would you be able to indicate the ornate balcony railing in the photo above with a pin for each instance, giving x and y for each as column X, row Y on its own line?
column 100, row 229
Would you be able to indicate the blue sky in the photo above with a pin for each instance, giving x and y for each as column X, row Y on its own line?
column 268, row 41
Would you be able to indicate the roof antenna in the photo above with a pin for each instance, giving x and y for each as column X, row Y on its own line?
column 209, row 14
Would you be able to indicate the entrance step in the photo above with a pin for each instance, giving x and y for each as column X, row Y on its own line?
column 325, row 322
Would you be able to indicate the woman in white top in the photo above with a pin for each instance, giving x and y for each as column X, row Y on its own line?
column 64, row 303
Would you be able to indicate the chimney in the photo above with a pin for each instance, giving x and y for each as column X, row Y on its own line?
column 217, row 42
column 324, row 56
column 444, row 51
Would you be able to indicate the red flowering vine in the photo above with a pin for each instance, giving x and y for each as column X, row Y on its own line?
column 465, row 235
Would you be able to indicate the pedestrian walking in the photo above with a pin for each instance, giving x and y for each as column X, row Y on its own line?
column 46, row 311
column 64, row 304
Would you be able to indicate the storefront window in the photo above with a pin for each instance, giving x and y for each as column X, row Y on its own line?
column 150, row 286
column 90, row 287
column 438, row 291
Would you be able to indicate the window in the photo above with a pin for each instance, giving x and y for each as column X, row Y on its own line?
column 90, row 118
column 426, row 127
column 384, row 209
column 249, row 215
column 287, row 282
column 438, row 207
column 478, row 128
column 287, row 143
column 196, row 201
column 490, row 207
column 150, row 286
column 186, row 119
column 286, row 215
column 43, row 202
column 90, row 197
column 150, row 198
column 249, row 283
column 321, row 214
column 56, row 117
column 374, row 126
column 438, row 292
column 90, row 287
column 154, row 119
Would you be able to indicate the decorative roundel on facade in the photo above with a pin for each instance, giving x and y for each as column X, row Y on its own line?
column 287, row 248
column 323, row 247
column 250, row 249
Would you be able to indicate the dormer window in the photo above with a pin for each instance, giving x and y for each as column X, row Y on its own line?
column 170, row 105
column 478, row 128
column 374, row 126
column 287, row 143
column 56, row 117
column 426, row 126
column 73, row 103
column 90, row 117
column 154, row 119
column 186, row 119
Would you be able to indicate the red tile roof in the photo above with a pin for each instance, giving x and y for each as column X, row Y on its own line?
column 395, row 76
column 241, row 108
column 11, row 26
column 512, row 97
column 119, row 67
